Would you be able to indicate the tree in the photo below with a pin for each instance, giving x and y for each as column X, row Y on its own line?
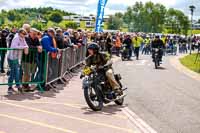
column 148, row 17
column 185, row 25
column 11, row 15
column 2, row 21
column 114, row 22
column 176, row 20
column 128, row 18
column 199, row 21
column 56, row 17
column 72, row 25
column 37, row 25
column 119, row 14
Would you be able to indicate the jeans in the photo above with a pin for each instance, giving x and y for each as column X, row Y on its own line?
column 14, row 72
column 39, row 76
column 117, row 51
column 2, row 54
column 40, row 67
column 137, row 50
column 129, row 52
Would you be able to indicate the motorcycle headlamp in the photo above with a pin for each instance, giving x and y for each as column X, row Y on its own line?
column 87, row 71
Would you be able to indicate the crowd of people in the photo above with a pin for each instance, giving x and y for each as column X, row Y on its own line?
column 26, row 63
column 143, row 42
column 27, row 49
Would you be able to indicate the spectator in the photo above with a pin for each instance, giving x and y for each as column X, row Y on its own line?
column 29, row 61
column 40, row 59
column 118, row 44
column 76, row 40
column 14, row 56
column 85, row 39
column 49, row 44
column 137, row 41
column 68, row 42
column 109, row 44
column 11, row 36
column 3, row 44
column 27, row 27
column 59, row 39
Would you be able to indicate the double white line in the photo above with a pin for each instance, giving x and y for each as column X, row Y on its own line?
column 142, row 126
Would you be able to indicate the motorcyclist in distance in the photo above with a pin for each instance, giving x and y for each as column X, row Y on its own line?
column 158, row 43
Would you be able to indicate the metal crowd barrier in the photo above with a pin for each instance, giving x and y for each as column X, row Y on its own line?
column 70, row 58
column 22, row 70
column 38, row 68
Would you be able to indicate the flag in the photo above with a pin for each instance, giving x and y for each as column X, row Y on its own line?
column 100, row 15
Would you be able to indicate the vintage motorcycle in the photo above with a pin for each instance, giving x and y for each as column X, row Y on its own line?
column 97, row 90
column 156, row 57
column 125, row 53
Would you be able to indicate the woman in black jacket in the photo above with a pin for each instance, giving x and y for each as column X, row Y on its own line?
column 3, row 44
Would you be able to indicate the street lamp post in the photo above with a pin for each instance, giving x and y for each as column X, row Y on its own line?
column 192, row 7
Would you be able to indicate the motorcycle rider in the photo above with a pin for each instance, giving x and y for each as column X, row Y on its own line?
column 157, row 43
column 128, row 43
column 95, row 58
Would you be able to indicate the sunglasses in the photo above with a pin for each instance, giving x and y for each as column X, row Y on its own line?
column 23, row 33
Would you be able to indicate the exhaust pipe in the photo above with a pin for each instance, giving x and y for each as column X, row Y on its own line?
column 124, row 89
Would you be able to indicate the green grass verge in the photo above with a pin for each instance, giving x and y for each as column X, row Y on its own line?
column 189, row 62
column 193, row 32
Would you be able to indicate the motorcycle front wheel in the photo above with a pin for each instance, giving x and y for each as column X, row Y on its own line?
column 156, row 63
column 93, row 99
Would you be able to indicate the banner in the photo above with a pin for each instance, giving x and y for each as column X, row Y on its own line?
column 100, row 15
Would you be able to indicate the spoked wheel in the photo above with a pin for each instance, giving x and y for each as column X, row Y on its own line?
column 93, row 99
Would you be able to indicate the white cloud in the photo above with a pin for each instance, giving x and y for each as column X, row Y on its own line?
column 90, row 6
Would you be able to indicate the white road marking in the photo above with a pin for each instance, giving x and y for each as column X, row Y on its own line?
column 141, row 63
column 138, row 122
column 129, row 64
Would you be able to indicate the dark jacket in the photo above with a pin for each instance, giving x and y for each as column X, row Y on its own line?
column 157, row 44
column 128, row 42
column 3, row 43
column 10, row 38
column 99, row 59
column 108, row 42
column 60, row 41
column 32, row 44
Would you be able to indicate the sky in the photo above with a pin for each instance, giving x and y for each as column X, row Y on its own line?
column 86, row 7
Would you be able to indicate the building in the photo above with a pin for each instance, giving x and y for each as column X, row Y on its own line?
column 89, row 20
column 196, row 26
column 79, row 18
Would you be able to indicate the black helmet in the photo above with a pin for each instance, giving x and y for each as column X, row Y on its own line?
column 94, row 47
column 157, row 36
column 4, row 31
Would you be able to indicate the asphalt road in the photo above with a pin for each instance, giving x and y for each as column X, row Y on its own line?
column 166, row 99
column 64, row 111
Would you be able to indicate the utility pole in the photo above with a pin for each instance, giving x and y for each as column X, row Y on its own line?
column 192, row 8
